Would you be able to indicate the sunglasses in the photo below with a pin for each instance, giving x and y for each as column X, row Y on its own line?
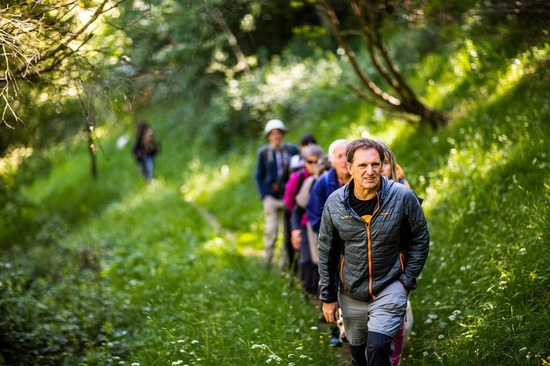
column 311, row 161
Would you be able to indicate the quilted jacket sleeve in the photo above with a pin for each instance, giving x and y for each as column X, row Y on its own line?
column 329, row 244
column 417, row 252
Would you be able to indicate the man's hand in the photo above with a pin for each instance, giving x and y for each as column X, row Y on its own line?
column 296, row 238
column 330, row 312
column 275, row 187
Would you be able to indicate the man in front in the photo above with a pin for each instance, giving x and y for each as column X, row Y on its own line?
column 364, row 266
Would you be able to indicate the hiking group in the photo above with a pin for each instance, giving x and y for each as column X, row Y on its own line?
column 354, row 234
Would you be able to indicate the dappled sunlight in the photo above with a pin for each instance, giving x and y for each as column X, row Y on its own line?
column 525, row 64
column 219, row 246
column 11, row 161
column 209, row 181
column 286, row 80
column 153, row 191
column 469, row 160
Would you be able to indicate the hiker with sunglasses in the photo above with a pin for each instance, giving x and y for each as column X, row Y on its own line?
column 307, row 269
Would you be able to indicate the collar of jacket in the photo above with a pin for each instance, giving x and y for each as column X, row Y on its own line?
column 385, row 185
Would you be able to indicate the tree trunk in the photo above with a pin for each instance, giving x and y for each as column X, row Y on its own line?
column 399, row 97
column 92, row 150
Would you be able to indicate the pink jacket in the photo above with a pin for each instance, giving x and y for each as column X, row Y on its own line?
column 292, row 187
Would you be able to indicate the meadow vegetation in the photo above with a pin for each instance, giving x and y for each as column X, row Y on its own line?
column 116, row 271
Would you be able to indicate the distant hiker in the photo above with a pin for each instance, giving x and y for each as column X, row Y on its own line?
column 311, row 154
column 363, row 268
column 297, row 161
column 392, row 170
column 299, row 214
column 272, row 173
column 145, row 149
column 336, row 177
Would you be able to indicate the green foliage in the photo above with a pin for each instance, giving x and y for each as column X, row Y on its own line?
column 117, row 271
column 291, row 88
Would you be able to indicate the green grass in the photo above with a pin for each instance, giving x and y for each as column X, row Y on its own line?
column 146, row 278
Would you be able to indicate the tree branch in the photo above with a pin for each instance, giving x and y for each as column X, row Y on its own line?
column 333, row 21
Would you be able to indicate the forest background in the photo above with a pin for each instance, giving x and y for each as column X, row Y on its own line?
column 100, row 268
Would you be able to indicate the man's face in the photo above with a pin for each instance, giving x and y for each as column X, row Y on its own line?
column 275, row 137
column 339, row 161
column 366, row 169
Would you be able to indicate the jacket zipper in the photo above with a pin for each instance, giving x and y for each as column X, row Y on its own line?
column 369, row 254
column 369, row 247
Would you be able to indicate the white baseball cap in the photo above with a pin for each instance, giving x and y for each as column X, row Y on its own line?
column 274, row 124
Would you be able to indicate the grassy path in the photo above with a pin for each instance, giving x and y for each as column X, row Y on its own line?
column 341, row 352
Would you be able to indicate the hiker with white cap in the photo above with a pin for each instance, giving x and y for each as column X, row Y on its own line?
column 272, row 173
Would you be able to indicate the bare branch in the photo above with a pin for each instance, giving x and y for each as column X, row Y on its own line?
column 33, row 43
column 239, row 54
column 64, row 44
column 404, row 98
column 334, row 23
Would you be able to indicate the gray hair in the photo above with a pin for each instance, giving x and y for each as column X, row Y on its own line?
column 334, row 145
column 312, row 150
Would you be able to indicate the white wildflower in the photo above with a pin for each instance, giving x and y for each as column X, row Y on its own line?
column 274, row 358
column 260, row 346
column 454, row 315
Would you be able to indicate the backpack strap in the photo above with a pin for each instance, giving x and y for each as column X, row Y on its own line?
column 301, row 179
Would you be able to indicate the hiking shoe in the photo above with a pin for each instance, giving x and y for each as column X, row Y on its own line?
column 335, row 337
column 335, row 342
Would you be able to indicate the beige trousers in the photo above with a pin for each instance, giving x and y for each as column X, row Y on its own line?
column 273, row 214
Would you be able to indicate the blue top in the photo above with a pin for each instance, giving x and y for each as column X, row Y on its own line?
column 268, row 179
column 323, row 187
